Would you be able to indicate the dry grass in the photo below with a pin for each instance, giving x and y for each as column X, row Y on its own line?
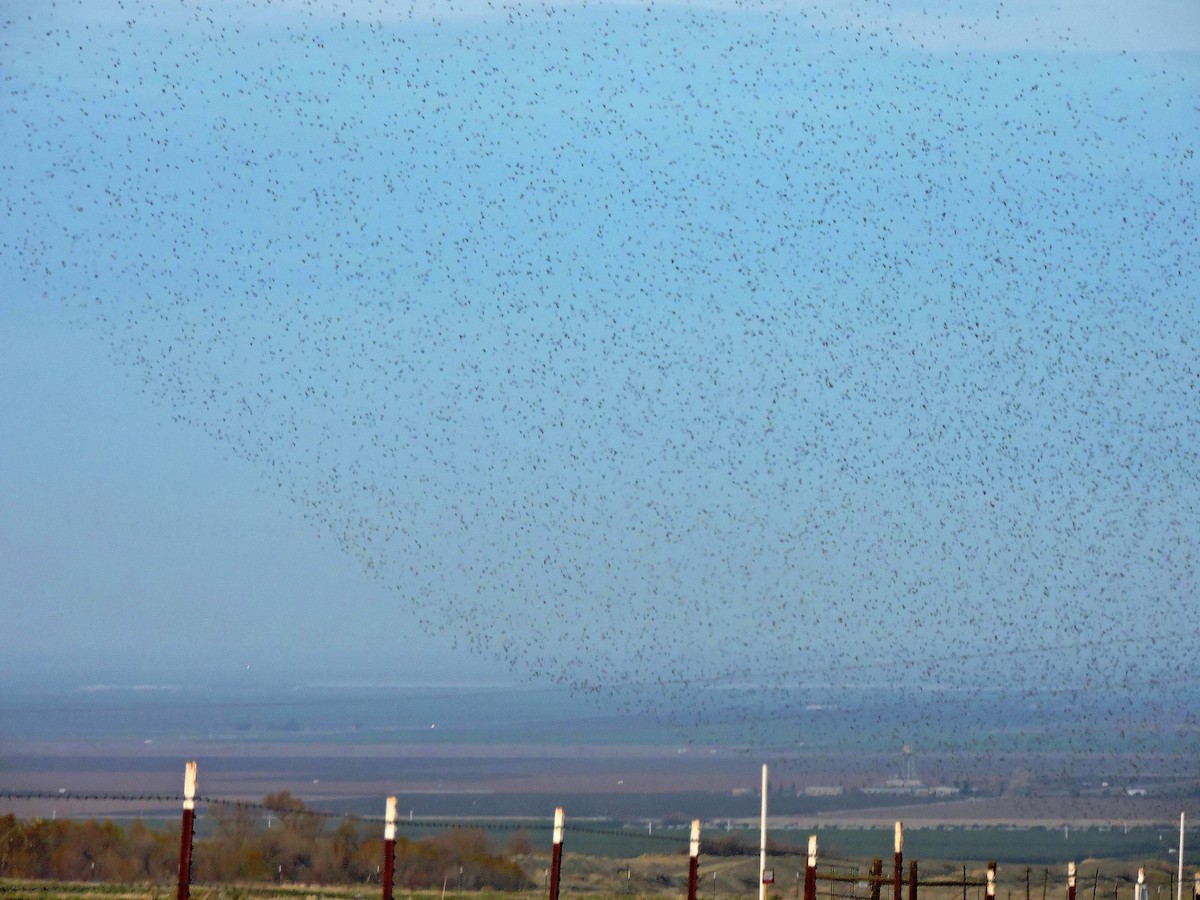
column 662, row 877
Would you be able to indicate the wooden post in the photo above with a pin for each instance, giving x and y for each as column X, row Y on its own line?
column 990, row 893
column 389, row 846
column 1070, row 881
column 912, row 880
column 694, row 860
column 876, row 877
column 185, row 834
column 810, row 870
column 898, row 862
column 556, row 856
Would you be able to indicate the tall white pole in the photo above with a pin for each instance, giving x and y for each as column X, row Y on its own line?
column 762, row 841
column 1179, row 890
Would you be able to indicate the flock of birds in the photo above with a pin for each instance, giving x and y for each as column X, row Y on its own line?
column 712, row 361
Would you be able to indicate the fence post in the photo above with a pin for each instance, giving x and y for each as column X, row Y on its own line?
column 1196, row 891
column 1070, row 881
column 876, row 877
column 898, row 862
column 185, row 834
column 389, row 847
column 556, row 857
column 694, row 860
column 810, row 870
column 912, row 880
column 991, row 880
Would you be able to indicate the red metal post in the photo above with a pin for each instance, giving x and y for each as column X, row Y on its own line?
column 389, row 847
column 556, row 857
column 694, row 860
column 810, row 870
column 1070, row 881
column 898, row 863
column 185, row 834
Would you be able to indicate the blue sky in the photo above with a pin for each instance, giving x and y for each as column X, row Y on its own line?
column 138, row 550
column 621, row 345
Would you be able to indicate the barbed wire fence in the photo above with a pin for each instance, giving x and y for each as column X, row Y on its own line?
column 732, row 870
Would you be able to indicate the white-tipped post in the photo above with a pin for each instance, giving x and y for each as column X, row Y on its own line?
column 556, row 854
column 189, row 784
column 389, row 820
column 184, row 886
column 810, row 869
column 898, row 862
column 991, row 880
column 694, row 861
column 762, row 841
column 389, row 846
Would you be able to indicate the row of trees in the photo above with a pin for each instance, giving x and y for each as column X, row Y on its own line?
column 291, row 845
column 83, row 851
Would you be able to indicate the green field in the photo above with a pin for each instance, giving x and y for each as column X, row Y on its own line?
column 1032, row 845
